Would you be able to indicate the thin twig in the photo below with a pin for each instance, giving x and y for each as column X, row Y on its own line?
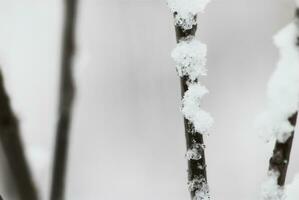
column 13, row 147
column 280, row 159
column 67, row 92
column 196, row 168
column 281, row 155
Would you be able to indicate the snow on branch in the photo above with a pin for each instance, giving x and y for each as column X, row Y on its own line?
column 291, row 191
column 200, row 187
column 201, row 119
column 190, row 58
column 185, row 11
column 270, row 189
column 283, row 88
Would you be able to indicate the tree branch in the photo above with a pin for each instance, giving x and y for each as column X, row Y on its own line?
column 281, row 155
column 280, row 159
column 194, row 140
column 13, row 147
column 67, row 92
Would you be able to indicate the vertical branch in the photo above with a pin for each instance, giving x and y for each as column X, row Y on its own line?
column 13, row 147
column 67, row 92
column 281, row 154
column 197, row 175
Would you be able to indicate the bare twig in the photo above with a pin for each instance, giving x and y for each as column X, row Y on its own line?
column 67, row 92
column 13, row 147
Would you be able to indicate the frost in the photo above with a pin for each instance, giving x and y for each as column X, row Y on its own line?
column 201, row 119
column 190, row 58
column 186, row 10
column 199, row 185
column 292, row 192
column 193, row 154
column 283, row 88
column 196, row 183
column 203, row 193
column 270, row 189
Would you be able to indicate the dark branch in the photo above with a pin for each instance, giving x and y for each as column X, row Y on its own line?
column 67, row 92
column 281, row 155
column 13, row 147
column 196, row 168
column 280, row 159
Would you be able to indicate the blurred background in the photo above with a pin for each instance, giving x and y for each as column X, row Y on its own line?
column 127, row 136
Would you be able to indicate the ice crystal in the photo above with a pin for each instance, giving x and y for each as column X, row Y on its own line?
column 203, row 193
column 185, row 11
column 193, row 154
column 283, row 88
column 190, row 58
column 196, row 183
column 200, row 187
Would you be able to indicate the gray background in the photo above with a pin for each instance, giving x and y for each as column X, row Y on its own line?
column 127, row 137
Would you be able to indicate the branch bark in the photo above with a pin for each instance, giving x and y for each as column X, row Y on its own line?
column 281, row 155
column 67, row 93
column 196, row 168
column 13, row 147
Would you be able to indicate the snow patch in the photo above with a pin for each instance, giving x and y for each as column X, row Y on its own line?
column 292, row 192
column 185, row 11
column 283, row 88
column 270, row 189
column 190, row 58
column 201, row 119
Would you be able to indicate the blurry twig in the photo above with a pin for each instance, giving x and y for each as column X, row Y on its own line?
column 67, row 91
column 279, row 161
column 13, row 147
column 281, row 155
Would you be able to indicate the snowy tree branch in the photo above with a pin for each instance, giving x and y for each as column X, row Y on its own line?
column 190, row 59
column 281, row 155
column 13, row 147
column 67, row 92
column 280, row 119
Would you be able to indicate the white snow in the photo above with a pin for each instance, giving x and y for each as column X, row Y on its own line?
column 283, row 88
column 201, row 119
column 190, row 58
column 199, row 185
column 270, row 189
column 186, row 10
column 203, row 193
column 292, row 190
column 193, row 154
